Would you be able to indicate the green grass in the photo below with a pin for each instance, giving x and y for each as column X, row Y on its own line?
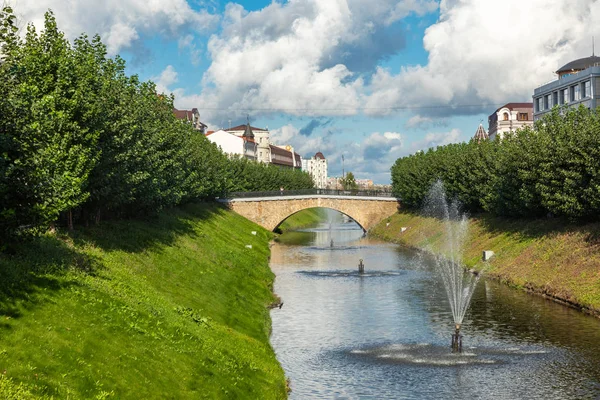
column 307, row 218
column 547, row 256
column 169, row 308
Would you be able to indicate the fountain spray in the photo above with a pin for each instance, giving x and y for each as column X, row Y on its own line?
column 458, row 284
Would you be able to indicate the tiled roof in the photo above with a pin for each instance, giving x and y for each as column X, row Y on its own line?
column 320, row 156
column 481, row 134
column 183, row 114
column 243, row 128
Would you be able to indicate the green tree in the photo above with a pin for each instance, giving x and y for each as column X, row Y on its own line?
column 349, row 182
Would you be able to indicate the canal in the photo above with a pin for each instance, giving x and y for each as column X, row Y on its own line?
column 385, row 334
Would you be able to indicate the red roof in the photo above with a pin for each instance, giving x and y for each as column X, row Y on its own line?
column 320, row 156
column 243, row 128
column 209, row 133
column 512, row 106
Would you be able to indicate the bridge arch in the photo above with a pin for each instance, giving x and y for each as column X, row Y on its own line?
column 328, row 208
column 269, row 212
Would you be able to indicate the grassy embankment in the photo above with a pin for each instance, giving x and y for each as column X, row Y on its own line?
column 304, row 219
column 169, row 308
column 547, row 256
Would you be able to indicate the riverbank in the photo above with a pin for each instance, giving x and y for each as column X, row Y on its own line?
column 549, row 257
column 171, row 307
column 304, row 219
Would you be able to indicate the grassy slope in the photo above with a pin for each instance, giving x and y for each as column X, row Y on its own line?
column 168, row 308
column 303, row 219
column 546, row 256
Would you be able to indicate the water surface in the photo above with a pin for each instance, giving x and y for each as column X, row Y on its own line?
column 386, row 334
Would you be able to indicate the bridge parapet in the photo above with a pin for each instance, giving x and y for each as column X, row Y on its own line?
column 310, row 192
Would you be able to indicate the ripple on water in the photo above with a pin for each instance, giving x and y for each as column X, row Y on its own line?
column 435, row 355
column 347, row 274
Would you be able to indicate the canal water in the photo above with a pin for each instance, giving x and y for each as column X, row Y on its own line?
column 386, row 334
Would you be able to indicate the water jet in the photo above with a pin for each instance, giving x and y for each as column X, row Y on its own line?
column 458, row 283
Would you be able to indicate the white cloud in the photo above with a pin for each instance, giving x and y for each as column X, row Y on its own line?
column 490, row 52
column 187, row 43
column 120, row 22
column 167, row 78
column 435, row 139
column 294, row 56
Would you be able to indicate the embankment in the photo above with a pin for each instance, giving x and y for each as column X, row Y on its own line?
column 171, row 307
column 304, row 219
column 549, row 257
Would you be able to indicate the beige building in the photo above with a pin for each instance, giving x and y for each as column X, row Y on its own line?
column 253, row 143
column 316, row 167
column 510, row 117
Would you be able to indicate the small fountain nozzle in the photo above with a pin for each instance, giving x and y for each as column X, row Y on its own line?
column 457, row 339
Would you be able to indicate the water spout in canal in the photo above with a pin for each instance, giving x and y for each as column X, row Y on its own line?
column 458, row 283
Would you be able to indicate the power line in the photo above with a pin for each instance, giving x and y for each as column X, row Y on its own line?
column 432, row 107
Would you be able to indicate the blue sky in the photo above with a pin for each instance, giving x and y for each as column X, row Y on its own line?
column 369, row 80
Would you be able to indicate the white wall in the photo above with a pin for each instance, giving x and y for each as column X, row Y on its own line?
column 229, row 144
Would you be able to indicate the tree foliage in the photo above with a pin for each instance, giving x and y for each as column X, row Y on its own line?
column 80, row 138
column 553, row 168
column 349, row 182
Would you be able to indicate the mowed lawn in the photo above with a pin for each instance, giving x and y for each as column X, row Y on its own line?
column 173, row 307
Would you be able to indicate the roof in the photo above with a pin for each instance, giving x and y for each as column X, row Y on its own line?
column 248, row 132
column 480, row 134
column 523, row 107
column 184, row 114
column 320, row 156
column 514, row 106
column 243, row 127
column 579, row 64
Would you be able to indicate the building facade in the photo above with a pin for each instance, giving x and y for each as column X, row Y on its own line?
column 233, row 145
column 253, row 143
column 578, row 83
column 316, row 167
column 509, row 117
column 192, row 117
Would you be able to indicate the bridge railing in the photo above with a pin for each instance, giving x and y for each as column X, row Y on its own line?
column 308, row 192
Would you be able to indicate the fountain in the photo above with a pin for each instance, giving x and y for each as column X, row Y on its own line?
column 458, row 283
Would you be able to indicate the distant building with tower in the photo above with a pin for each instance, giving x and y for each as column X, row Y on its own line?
column 316, row 167
column 253, row 143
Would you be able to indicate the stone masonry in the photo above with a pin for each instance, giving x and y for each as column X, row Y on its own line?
column 270, row 212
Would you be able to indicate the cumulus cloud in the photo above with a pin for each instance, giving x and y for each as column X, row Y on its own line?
column 121, row 23
column 167, row 78
column 477, row 58
column 303, row 57
column 320, row 58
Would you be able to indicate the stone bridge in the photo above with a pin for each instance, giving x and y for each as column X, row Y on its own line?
column 269, row 209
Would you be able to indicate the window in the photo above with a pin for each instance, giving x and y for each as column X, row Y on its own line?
column 586, row 89
column 505, row 116
column 547, row 104
column 575, row 93
column 522, row 116
column 539, row 104
column 554, row 98
column 564, row 96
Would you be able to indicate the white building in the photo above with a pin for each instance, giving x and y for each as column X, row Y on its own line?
column 253, row 143
column 510, row 117
column 260, row 137
column 316, row 167
column 233, row 145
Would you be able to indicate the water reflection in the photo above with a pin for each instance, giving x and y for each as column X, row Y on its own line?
column 386, row 335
